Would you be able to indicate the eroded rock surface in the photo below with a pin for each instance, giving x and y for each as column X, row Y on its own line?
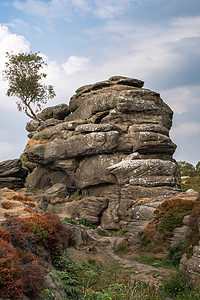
column 191, row 266
column 112, row 143
column 12, row 173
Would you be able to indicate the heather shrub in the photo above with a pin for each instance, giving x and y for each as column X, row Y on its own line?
column 11, row 284
column 21, row 235
column 32, row 233
column 168, row 216
column 5, row 235
column 172, row 213
column 33, row 278
column 22, row 243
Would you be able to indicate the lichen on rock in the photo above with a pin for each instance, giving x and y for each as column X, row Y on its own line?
column 112, row 142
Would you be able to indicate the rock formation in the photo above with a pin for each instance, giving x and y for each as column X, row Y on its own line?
column 12, row 174
column 191, row 266
column 111, row 146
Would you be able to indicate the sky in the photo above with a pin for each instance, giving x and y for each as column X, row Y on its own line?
column 85, row 41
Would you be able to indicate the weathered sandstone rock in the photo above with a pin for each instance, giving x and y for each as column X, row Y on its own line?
column 12, row 173
column 191, row 266
column 113, row 145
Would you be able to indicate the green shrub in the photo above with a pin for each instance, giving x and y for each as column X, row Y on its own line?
column 177, row 251
column 114, row 291
column 173, row 212
column 77, row 195
column 102, row 232
column 171, row 221
column 144, row 241
column 175, row 285
column 86, row 223
column 69, row 220
column 188, row 295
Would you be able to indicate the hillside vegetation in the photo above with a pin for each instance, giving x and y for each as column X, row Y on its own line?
column 190, row 176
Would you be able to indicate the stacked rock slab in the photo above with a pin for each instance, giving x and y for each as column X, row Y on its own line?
column 112, row 142
column 12, row 173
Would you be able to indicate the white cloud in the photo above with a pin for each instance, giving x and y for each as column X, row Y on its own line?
column 75, row 64
column 65, row 8
column 49, row 10
column 110, row 8
column 11, row 42
column 159, row 55
column 33, row 7
column 182, row 98
column 186, row 129
column 185, row 27
column 81, row 4
column 122, row 48
column 18, row 24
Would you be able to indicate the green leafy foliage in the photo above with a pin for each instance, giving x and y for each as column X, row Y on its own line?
column 186, row 168
column 177, row 288
column 176, row 285
column 83, row 221
column 176, row 252
column 86, row 223
column 91, row 282
column 24, row 78
column 69, row 273
column 102, row 232
column 69, row 220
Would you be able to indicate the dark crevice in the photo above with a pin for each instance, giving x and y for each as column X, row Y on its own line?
column 101, row 116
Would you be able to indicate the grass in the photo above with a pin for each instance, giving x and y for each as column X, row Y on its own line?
column 191, row 183
column 92, row 280
column 155, row 262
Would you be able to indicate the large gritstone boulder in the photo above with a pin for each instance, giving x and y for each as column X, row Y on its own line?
column 111, row 144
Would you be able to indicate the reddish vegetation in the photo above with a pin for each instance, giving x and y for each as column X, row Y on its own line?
column 33, row 274
column 32, row 142
column 26, row 200
column 5, row 235
column 11, row 284
column 7, row 204
column 195, row 215
column 23, row 243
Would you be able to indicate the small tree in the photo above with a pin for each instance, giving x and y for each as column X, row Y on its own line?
column 24, row 79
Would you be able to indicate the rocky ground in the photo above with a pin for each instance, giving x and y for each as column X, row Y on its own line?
column 105, row 252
